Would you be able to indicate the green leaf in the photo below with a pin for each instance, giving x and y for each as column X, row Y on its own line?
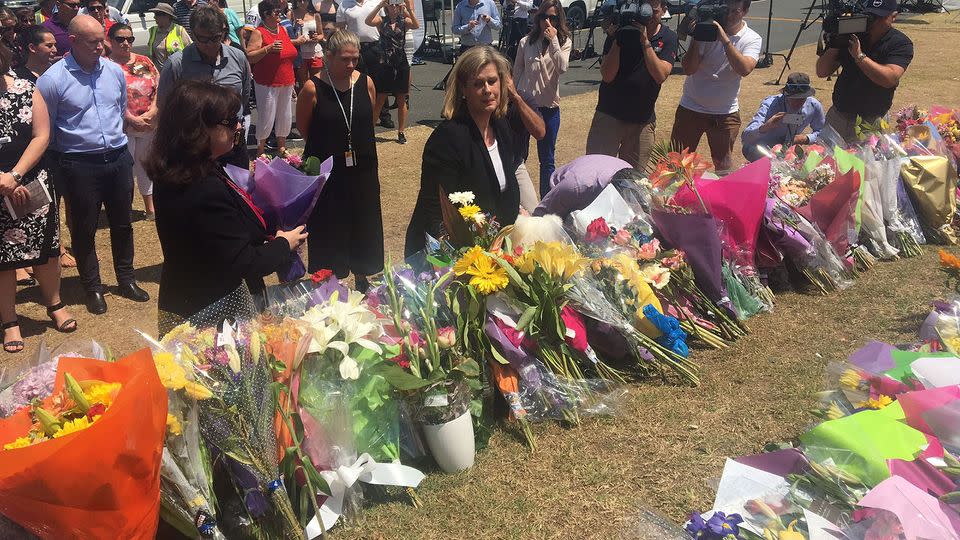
column 513, row 275
column 498, row 357
column 398, row 378
column 469, row 367
column 526, row 318
column 311, row 166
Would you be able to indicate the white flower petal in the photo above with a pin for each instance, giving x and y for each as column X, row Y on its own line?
column 349, row 369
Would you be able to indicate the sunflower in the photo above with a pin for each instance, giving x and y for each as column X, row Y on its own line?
column 103, row 393
column 73, row 426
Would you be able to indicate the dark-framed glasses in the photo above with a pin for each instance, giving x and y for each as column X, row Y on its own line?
column 124, row 39
column 208, row 39
column 554, row 19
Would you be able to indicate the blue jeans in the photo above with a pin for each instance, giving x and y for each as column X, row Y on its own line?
column 547, row 146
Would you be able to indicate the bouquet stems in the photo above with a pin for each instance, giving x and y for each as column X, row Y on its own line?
column 908, row 244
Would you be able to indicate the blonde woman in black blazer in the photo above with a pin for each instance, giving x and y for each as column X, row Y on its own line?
column 477, row 148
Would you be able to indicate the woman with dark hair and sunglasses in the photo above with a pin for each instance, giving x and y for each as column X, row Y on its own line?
column 213, row 237
column 542, row 56
column 142, row 79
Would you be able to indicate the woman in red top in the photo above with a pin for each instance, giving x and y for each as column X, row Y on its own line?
column 271, row 53
column 142, row 78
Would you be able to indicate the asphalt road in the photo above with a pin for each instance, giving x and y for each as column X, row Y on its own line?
column 584, row 75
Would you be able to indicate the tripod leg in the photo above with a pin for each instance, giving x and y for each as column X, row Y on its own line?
column 807, row 23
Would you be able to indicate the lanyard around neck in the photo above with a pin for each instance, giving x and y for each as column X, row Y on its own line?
column 346, row 119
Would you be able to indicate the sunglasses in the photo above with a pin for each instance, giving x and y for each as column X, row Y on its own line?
column 233, row 123
column 554, row 19
column 96, row 8
column 122, row 39
column 205, row 40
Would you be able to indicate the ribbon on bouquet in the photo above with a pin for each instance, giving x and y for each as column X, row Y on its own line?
column 366, row 470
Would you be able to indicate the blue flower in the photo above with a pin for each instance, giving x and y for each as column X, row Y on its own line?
column 697, row 527
column 724, row 526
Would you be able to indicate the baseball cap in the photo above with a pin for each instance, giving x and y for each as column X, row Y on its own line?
column 880, row 8
column 165, row 8
column 798, row 86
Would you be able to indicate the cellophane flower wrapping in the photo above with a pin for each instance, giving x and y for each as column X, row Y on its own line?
column 286, row 196
column 102, row 482
column 34, row 380
column 879, row 204
column 539, row 393
column 803, row 242
column 930, row 181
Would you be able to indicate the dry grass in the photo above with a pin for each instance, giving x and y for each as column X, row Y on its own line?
column 666, row 441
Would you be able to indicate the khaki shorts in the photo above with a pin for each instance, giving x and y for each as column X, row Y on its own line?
column 625, row 140
column 722, row 131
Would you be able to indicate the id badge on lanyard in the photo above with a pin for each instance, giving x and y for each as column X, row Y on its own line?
column 348, row 156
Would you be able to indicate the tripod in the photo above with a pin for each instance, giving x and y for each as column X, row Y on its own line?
column 767, row 59
column 815, row 5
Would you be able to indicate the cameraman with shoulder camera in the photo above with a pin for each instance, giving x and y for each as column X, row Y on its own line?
column 638, row 56
column 714, row 69
column 872, row 66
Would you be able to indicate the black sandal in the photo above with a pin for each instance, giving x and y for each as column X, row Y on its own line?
column 63, row 328
column 12, row 347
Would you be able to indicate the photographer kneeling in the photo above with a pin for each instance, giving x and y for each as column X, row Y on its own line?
column 638, row 56
column 872, row 66
column 722, row 52
column 782, row 118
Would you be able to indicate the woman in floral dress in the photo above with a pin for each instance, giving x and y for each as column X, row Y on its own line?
column 142, row 78
column 34, row 238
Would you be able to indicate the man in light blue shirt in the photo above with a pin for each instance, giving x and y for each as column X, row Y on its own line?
column 86, row 96
column 474, row 21
column 783, row 117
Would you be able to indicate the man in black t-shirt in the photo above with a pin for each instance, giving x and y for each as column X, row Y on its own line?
column 637, row 59
column 873, row 64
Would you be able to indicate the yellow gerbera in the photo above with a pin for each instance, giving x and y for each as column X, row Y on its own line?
column 173, row 425
column 103, row 393
column 172, row 375
column 879, row 403
column 22, row 442
column 469, row 258
column 467, row 212
column 73, row 426
column 487, row 276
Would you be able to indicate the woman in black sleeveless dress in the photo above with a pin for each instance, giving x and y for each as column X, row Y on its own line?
column 335, row 110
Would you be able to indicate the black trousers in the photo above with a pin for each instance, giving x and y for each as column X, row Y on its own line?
column 90, row 182
column 370, row 57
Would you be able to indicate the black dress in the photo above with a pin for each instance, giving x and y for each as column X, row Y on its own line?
column 213, row 242
column 35, row 237
column 346, row 227
column 392, row 75
column 456, row 159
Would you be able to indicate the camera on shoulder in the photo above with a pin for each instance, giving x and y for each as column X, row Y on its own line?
column 627, row 15
column 843, row 19
column 709, row 11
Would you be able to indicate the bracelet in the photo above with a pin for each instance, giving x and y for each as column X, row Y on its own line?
column 16, row 176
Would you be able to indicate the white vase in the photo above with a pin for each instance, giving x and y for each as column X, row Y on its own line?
column 451, row 443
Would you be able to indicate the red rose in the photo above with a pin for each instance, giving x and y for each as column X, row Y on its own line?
column 321, row 275
column 598, row 231
column 97, row 409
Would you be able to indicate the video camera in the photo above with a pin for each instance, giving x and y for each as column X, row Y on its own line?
column 707, row 12
column 843, row 19
column 624, row 13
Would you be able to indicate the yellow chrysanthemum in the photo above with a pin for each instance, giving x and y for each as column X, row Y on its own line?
column 173, row 425
column 103, row 393
column 172, row 375
column 22, row 442
column 850, row 379
column 467, row 212
column 197, row 391
column 73, row 426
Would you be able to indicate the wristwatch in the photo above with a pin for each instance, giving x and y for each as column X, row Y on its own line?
column 16, row 176
column 860, row 57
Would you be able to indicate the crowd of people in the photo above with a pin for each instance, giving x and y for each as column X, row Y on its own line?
column 83, row 119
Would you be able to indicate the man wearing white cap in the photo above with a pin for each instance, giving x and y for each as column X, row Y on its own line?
column 782, row 118
column 873, row 64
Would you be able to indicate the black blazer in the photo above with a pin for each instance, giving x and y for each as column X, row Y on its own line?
column 456, row 158
column 212, row 242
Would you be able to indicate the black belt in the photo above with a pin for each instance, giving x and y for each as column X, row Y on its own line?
column 95, row 157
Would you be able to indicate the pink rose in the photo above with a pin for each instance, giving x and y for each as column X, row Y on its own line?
column 649, row 251
column 622, row 238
